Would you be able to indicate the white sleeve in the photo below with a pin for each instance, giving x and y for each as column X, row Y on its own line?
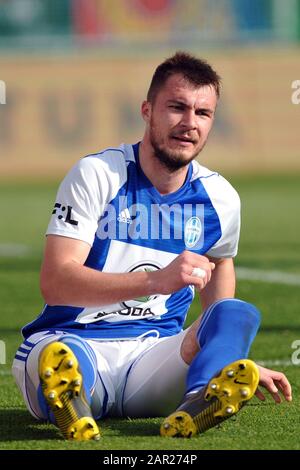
column 227, row 204
column 80, row 201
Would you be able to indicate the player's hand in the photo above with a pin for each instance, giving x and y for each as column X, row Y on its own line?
column 276, row 383
column 187, row 269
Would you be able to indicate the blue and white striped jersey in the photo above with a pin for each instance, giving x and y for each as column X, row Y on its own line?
column 107, row 201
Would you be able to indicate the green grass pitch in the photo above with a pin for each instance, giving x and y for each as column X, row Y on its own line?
column 269, row 241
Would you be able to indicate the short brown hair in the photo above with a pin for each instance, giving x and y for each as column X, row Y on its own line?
column 196, row 71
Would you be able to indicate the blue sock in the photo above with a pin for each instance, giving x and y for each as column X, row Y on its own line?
column 226, row 332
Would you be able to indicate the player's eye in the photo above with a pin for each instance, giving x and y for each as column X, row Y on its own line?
column 178, row 107
column 203, row 113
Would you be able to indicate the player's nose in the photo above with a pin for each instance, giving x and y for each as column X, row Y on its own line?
column 189, row 119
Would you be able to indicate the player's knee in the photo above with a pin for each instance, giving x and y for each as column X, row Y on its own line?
column 85, row 356
column 250, row 312
column 238, row 307
column 227, row 313
column 71, row 339
column 77, row 344
column 235, row 308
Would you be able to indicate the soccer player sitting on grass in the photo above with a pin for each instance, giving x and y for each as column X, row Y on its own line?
column 134, row 231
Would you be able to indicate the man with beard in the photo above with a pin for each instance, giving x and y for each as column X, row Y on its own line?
column 134, row 231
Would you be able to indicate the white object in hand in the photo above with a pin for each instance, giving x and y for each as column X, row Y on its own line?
column 198, row 272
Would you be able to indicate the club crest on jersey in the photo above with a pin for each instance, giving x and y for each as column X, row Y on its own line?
column 192, row 232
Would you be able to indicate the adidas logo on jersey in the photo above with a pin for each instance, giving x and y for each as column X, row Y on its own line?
column 125, row 216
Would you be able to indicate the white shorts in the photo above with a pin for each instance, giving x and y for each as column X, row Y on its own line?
column 141, row 377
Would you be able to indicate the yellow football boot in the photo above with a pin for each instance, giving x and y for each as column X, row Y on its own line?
column 62, row 386
column 223, row 397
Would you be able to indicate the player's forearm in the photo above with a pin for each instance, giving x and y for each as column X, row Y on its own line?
column 80, row 286
column 221, row 285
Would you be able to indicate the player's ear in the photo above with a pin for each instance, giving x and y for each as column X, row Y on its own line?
column 146, row 110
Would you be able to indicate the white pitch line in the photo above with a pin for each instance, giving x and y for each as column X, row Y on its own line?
column 274, row 277
column 276, row 362
column 10, row 250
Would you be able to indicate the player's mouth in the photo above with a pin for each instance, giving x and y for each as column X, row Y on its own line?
column 183, row 140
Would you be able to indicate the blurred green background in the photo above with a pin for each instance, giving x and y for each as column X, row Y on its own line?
column 74, row 74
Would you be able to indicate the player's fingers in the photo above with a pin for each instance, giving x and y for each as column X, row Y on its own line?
column 199, row 272
column 285, row 387
column 279, row 380
column 273, row 390
column 209, row 272
column 260, row 395
column 203, row 271
column 198, row 278
column 276, row 397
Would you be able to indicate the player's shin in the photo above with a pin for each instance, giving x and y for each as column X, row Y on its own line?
column 225, row 334
column 215, row 385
